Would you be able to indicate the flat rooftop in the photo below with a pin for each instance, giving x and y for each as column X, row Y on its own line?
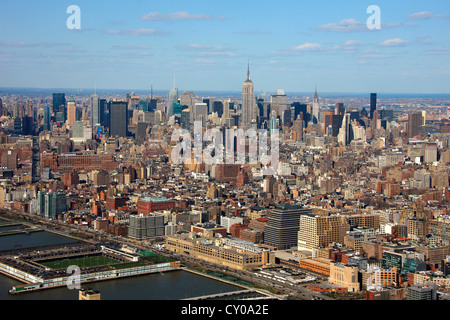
column 152, row 199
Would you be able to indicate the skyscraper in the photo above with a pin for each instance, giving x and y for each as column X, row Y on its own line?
column 47, row 118
column 315, row 106
column 200, row 112
column 95, row 110
column 71, row 111
column 278, row 102
column 344, row 135
column 373, row 104
column 209, row 102
column 103, row 106
column 55, row 204
column 248, row 102
column 118, row 119
column 59, row 100
column 339, row 108
column 171, row 99
column 282, row 226
column 273, row 122
column 187, row 98
column 319, row 231
column 186, row 119
column 415, row 120
column 226, row 109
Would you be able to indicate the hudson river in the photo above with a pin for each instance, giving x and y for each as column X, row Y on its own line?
column 173, row 285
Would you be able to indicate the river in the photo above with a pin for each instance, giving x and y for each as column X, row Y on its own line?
column 172, row 285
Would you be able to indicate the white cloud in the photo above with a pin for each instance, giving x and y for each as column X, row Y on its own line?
column 424, row 15
column 350, row 45
column 353, row 43
column 308, row 47
column 22, row 44
column 204, row 61
column 136, row 47
column 209, row 50
column 197, row 46
column 136, row 32
column 348, row 25
column 421, row 15
column 176, row 16
column 397, row 42
column 353, row 25
column 217, row 53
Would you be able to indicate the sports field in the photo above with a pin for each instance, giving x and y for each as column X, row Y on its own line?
column 87, row 261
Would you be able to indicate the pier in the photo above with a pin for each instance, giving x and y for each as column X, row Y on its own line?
column 44, row 267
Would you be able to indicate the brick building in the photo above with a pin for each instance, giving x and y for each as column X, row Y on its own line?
column 148, row 205
column 115, row 202
column 78, row 161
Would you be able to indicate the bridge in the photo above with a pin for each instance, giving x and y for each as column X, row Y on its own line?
column 221, row 295
column 257, row 295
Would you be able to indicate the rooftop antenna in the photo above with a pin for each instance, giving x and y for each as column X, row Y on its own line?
column 248, row 70
column 151, row 90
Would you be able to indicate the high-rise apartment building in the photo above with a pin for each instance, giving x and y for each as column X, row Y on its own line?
column 319, row 231
column 55, row 204
column 145, row 226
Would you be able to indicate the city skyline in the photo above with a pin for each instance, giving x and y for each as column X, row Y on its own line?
column 292, row 46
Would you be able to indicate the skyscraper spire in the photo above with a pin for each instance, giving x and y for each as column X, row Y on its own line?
column 248, row 71
column 151, row 90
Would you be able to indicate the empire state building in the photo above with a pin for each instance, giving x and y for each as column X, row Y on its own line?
column 248, row 102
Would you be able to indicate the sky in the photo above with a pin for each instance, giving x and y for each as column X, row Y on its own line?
column 206, row 45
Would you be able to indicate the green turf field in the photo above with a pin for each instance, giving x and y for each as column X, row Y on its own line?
column 89, row 261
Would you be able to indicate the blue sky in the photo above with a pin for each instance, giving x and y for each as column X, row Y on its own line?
column 205, row 45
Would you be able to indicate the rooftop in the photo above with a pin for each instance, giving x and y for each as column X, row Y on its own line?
column 151, row 199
